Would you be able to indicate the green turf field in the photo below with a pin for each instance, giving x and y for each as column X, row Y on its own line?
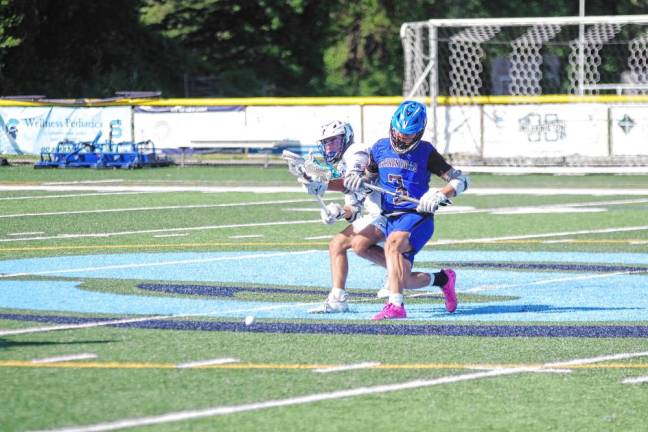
column 551, row 332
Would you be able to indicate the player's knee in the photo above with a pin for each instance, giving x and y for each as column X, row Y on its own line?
column 396, row 244
column 339, row 243
column 360, row 246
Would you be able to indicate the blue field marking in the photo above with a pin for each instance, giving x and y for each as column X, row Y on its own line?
column 573, row 296
column 402, row 328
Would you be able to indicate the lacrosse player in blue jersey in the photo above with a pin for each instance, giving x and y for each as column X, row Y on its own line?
column 361, row 210
column 403, row 164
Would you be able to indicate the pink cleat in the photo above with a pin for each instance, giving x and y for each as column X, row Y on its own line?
column 449, row 291
column 391, row 311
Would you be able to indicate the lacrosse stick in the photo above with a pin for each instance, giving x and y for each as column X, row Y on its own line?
column 375, row 188
column 308, row 169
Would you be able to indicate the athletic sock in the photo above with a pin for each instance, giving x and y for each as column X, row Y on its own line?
column 396, row 299
column 440, row 279
column 338, row 293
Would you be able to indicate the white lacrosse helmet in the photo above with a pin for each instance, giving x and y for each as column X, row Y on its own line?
column 334, row 139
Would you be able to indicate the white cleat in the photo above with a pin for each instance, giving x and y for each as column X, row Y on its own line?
column 332, row 305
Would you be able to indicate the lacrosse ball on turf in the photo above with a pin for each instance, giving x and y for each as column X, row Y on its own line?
column 249, row 320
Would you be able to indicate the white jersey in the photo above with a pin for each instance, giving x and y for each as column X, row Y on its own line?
column 356, row 159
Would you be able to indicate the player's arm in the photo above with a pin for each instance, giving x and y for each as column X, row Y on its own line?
column 336, row 185
column 456, row 183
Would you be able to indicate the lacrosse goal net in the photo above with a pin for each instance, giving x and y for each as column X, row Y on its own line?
column 531, row 87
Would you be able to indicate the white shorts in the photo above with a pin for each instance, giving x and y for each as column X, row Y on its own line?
column 361, row 223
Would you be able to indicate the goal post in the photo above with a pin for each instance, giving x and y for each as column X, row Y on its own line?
column 475, row 74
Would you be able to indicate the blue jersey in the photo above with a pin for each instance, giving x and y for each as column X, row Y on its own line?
column 407, row 173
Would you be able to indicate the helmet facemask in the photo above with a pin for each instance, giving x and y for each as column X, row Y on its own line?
column 335, row 138
column 332, row 148
column 407, row 126
column 402, row 145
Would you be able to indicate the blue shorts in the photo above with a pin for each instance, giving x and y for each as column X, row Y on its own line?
column 420, row 228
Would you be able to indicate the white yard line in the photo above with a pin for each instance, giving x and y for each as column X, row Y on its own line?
column 150, row 318
column 30, row 330
column 552, row 281
column 635, row 380
column 246, row 236
column 157, row 208
column 364, row 365
column 323, row 237
column 333, row 395
column 170, row 235
column 532, row 236
column 84, row 182
column 161, row 230
column 199, row 363
column 156, row 264
column 71, row 357
column 26, row 233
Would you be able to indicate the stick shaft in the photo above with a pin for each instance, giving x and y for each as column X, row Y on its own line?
column 388, row 192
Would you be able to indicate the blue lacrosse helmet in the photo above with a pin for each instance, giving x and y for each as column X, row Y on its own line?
column 410, row 118
column 335, row 138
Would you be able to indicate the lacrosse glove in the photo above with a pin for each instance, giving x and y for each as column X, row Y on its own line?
column 313, row 187
column 354, row 182
column 332, row 213
column 430, row 202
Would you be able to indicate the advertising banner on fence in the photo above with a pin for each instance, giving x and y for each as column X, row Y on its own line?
column 28, row 129
column 177, row 126
column 629, row 130
column 549, row 130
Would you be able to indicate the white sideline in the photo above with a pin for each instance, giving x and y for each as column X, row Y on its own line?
column 71, row 357
column 210, row 362
column 318, row 397
column 364, row 365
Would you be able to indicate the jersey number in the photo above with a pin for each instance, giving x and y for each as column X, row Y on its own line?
column 397, row 181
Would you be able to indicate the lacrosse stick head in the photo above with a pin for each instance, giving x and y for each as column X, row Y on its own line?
column 317, row 171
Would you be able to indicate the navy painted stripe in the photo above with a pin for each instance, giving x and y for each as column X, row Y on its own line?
column 590, row 331
column 229, row 291
column 597, row 268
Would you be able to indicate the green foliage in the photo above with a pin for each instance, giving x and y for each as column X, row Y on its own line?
column 85, row 49
column 79, row 48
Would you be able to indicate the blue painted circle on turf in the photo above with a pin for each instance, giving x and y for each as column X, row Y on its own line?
column 543, row 296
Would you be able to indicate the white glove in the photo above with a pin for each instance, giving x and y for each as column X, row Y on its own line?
column 332, row 213
column 431, row 200
column 354, row 182
column 313, row 187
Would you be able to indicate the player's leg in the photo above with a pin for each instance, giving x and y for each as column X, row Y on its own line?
column 406, row 236
column 365, row 245
column 338, row 247
column 337, row 299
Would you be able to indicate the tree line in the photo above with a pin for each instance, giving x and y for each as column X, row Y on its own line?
column 229, row 48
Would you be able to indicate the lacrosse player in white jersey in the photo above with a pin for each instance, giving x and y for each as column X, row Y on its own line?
column 361, row 210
